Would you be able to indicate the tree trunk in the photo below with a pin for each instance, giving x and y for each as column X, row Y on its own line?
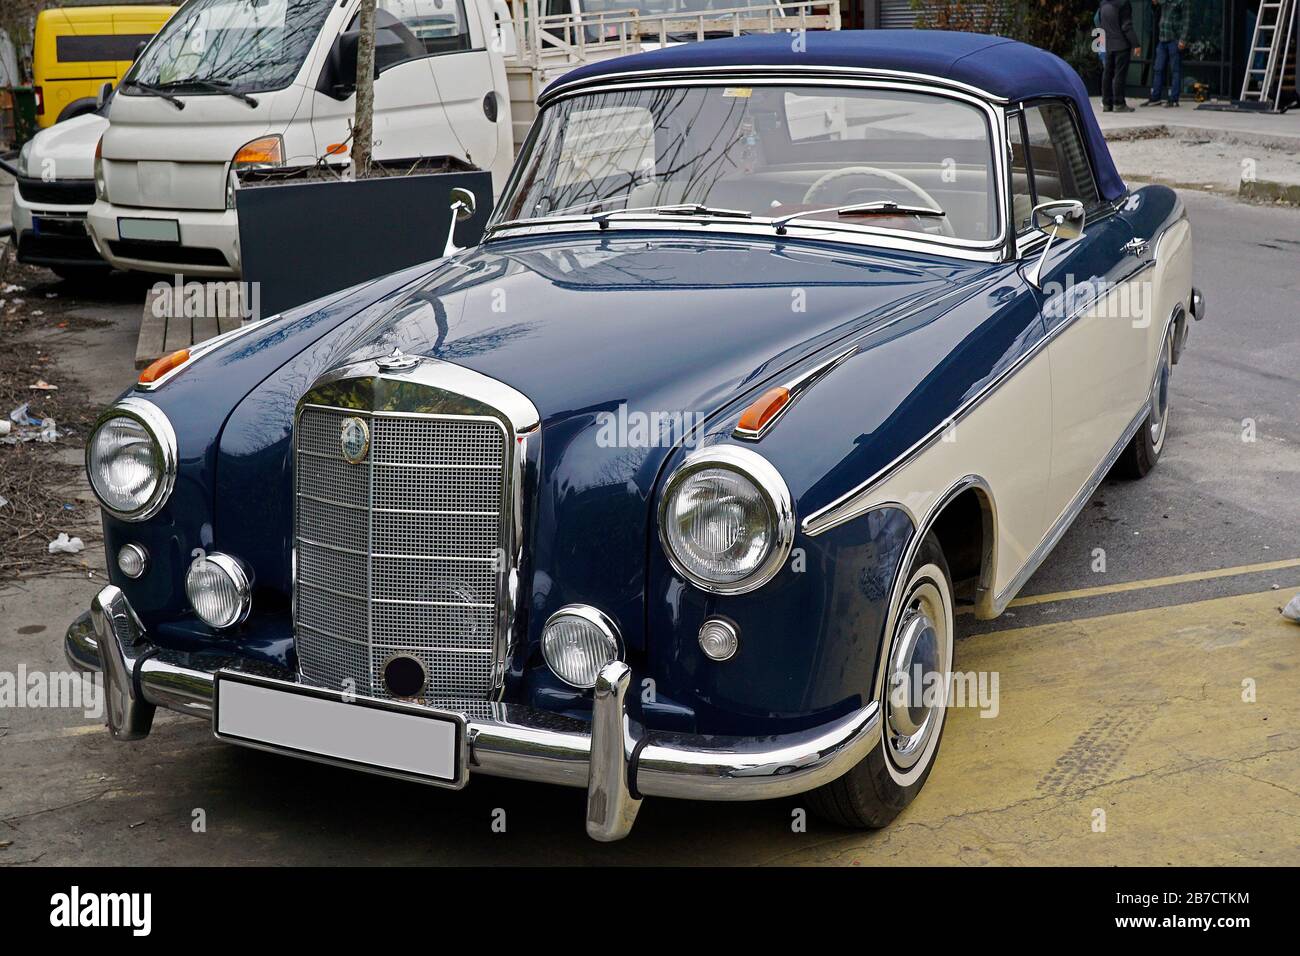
column 363, row 122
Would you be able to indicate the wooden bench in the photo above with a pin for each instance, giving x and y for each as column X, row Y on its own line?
column 176, row 317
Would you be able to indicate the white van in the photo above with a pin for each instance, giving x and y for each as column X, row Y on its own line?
column 230, row 83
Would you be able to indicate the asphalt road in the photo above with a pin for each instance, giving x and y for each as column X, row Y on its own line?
column 1122, row 692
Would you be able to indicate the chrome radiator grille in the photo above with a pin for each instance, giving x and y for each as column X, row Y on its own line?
column 400, row 553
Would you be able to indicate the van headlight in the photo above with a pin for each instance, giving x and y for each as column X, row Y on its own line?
column 726, row 520
column 131, row 459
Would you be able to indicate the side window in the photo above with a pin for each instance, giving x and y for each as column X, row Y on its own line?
column 1057, row 158
column 1022, row 197
column 411, row 29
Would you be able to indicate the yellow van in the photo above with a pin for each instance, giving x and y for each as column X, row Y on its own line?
column 81, row 46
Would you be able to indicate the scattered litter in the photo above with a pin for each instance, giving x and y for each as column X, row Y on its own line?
column 20, row 416
column 6, row 844
column 10, row 287
column 5, row 427
column 51, row 295
column 138, row 823
column 65, row 545
column 48, row 431
column 3, row 501
column 43, row 386
column 38, row 312
column 1292, row 610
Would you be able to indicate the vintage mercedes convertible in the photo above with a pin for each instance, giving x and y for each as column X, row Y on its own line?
column 777, row 352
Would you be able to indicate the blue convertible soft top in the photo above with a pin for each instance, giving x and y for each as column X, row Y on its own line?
column 1004, row 68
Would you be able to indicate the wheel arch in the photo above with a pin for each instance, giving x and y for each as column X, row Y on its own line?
column 964, row 519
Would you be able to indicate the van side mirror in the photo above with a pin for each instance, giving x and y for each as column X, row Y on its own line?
column 339, row 77
column 1059, row 219
column 101, row 98
column 139, row 48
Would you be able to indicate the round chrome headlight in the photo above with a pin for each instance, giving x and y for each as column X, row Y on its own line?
column 577, row 642
column 219, row 590
column 131, row 459
column 726, row 520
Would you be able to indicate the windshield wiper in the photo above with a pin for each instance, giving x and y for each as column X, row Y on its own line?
column 216, row 86
column 680, row 209
column 158, row 91
column 603, row 219
column 883, row 207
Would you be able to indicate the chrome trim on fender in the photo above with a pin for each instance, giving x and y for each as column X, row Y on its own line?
column 795, row 387
column 166, row 456
column 618, row 762
column 764, row 475
column 854, row 503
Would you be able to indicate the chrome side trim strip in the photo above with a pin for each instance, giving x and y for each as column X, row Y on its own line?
column 853, row 503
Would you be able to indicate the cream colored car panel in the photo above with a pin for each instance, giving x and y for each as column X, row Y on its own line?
column 1014, row 461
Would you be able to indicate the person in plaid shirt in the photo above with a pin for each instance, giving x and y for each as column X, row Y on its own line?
column 1172, row 40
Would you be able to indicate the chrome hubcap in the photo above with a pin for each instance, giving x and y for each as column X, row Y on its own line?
column 916, row 692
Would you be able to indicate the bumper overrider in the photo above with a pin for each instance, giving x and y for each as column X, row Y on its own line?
column 613, row 758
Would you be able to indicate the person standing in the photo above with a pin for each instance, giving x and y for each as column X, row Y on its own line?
column 1171, row 41
column 1116, row 19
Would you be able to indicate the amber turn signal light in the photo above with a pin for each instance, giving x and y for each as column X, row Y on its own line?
column 762, row 411
column 265, row 151
column 162, row 366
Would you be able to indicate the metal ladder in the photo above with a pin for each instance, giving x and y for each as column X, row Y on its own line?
column 1274, row 30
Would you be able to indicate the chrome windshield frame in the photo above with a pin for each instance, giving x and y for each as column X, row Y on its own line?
column 993, row 249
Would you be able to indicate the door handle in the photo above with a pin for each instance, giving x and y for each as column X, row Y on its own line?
column 1136, row 247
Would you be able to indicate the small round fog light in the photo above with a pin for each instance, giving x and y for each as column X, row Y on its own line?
column 132, row 560
column 577, row 642
column 219, row 590
column 719, row 639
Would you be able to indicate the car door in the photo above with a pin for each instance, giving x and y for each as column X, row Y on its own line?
column 435, row 72
column 1092, row 299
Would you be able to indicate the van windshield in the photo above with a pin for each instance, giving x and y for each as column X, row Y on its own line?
column 252, row 45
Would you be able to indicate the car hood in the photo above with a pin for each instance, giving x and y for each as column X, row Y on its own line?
column 595, row 330
column 70, row 145
column 590, row 324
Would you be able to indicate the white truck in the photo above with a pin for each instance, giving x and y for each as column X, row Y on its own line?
column 231, row 84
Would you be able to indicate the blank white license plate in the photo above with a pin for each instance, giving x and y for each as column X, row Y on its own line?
column 389, row 738
column 149, row 230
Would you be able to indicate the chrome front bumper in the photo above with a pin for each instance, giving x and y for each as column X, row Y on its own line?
column 613, row 758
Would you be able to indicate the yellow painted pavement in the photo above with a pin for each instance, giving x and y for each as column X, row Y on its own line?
column 1138, row 715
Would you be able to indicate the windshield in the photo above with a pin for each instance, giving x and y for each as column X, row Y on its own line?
column 253, row 45
column 773, row 151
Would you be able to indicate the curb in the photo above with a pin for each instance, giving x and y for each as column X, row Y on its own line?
column 1161, row 130
column 1263, row 190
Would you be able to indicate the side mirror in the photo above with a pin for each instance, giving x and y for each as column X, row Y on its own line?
column 101, row 98
column 139, row 48
column 1059, row 219
column 462, row 206
column 340, row 76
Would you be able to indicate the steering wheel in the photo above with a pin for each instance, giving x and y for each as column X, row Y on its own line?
column 813, row 196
